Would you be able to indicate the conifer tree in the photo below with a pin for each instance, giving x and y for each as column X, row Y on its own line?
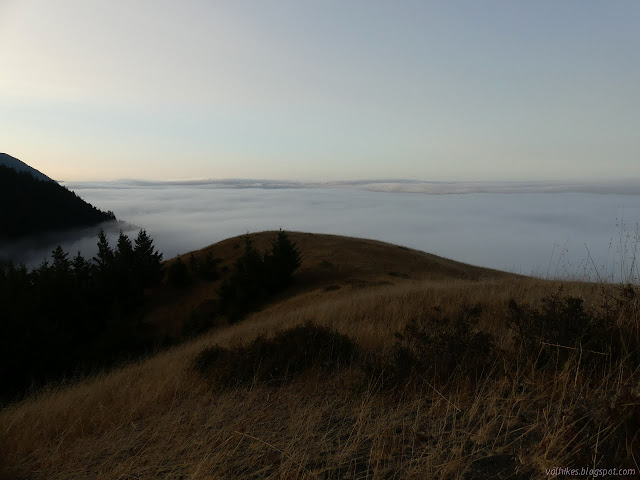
column 60, row 287
column 80, row 266
column 61, row 264
column 124, row 251
column 194, row 264
column 127, row 285
column 147, row 260
column 282, row 260
column 245, row 288
column 43, row 268
column 105, row 257
column 81, row 271
column 178, row 274
column 208, row 270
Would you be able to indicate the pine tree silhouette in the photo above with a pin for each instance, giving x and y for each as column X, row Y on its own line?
column 147, row 260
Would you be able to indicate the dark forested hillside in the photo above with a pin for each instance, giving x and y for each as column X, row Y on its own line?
column 71, row 313
column 29, row 206
column 20, row 166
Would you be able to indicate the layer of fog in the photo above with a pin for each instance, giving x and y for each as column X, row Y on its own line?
column 530, row 233
column 620, row 187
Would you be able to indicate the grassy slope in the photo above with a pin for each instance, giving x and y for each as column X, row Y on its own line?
column 158, row 419
column 330, row 262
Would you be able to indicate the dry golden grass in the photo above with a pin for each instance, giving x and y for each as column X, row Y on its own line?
column 329, row 261
column 159, row 419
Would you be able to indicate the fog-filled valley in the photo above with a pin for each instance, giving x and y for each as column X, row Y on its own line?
column 559, row 234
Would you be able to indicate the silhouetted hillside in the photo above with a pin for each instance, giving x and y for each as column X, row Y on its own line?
column 20, row 166
column 30, row 206
column 73, row 313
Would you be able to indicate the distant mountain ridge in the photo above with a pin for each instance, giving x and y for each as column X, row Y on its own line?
column 19, row 166
column 32, row 204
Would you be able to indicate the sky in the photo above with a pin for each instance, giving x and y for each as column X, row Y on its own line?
column 323, row 90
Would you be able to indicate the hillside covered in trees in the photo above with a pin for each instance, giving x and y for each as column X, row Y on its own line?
column 29, row 206
column 71, row 316
column 20, row 166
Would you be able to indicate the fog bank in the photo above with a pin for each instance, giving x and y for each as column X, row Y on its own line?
column 530, row 233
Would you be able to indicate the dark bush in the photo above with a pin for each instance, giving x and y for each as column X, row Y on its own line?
column 178, row 274
column 608, row 423
column 562, row 327
column 201, row 319
column 277, row 359
column 436, row 346
column 207, row 269
column 620, row 313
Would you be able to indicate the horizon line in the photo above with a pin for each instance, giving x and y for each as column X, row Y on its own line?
column 432, row 187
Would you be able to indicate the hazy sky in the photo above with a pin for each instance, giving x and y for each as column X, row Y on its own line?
column 323, row 90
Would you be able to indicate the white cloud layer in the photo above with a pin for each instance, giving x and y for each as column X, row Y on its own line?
column 543, row 234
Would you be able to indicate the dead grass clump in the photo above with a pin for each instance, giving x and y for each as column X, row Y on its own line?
column 277, row 359
column 605, row 425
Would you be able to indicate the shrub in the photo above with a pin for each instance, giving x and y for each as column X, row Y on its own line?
column 605, row 424
column 178, row 274
column 562, row 327
column 208, row 269
column 436, row 346
column 277, row 359
column 620, row 311
column 202, row 318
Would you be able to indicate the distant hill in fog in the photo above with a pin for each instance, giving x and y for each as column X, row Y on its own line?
column 12, row 162
column 31, row 203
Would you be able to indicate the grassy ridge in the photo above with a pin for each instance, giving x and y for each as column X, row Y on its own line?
column 160, row 418
column 330, row 263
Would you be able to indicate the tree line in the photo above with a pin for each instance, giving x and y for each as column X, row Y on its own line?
column 71, row 314
column 257, row 276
